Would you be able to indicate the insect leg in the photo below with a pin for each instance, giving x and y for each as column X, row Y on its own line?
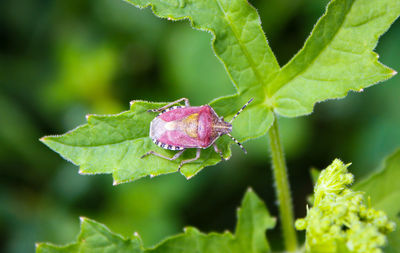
column 171, row 104
column 218, row 151
column 163, row 156
column 190, row 160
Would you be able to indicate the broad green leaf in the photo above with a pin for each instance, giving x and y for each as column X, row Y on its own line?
column 253, row 220
column 95, row 237
column 114, row 144
column 383, row 188
column 337, row 57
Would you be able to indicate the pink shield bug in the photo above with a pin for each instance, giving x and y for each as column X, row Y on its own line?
column 182, row 127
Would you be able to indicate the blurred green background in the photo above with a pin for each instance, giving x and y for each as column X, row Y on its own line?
column 60, row 60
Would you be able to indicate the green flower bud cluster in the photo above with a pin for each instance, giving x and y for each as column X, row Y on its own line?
column 339, row 221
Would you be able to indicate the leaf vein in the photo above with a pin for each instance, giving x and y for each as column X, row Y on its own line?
column 243, row 48
column 341, row 50
column 100, row 145
column 366, row 21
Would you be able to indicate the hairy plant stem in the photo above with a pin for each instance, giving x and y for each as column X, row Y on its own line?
column 282, row 188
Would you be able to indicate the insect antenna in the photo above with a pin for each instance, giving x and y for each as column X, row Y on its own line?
column 238, row 143
column 241, row 109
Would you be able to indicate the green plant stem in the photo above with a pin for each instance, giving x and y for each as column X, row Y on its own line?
column 282, row 188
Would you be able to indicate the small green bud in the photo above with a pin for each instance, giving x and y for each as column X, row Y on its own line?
column 390, row 226
column 300, row 224
column 371, row 214
column 363, row 212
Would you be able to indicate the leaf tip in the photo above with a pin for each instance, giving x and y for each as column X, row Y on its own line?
column 133, row 102
column 82, row 219
column 46, row 140
column 394, row 72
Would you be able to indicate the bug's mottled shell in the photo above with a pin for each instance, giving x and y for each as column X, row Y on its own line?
column 178, row 128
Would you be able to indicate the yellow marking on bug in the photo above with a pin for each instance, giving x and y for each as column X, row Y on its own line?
column 190, row 124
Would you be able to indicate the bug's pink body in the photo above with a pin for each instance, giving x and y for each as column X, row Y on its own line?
column 182, row 127
column 185, row 127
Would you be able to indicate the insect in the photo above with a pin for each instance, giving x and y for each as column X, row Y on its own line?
column 183, row 127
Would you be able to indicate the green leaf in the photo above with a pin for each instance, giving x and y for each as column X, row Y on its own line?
column 114, row 144
column 253, row 220
column 383, row 188
column 337, row 57
column 95, row 237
